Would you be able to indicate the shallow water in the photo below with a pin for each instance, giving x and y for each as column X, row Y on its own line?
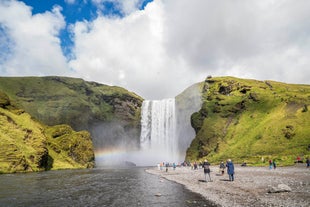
column 94, row 187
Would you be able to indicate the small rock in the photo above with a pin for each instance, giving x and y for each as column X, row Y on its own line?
column 158, row 194
column 284, row 188
column 279, row 189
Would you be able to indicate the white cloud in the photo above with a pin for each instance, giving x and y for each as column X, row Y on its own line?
column 252, row 39
column 129, row 6
column 165, row 48
column 70, row 1
column 128, row 52
column 34, row 45
column 126, row 7
column 172, row 44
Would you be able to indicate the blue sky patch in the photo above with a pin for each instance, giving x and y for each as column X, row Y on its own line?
column 80, row 10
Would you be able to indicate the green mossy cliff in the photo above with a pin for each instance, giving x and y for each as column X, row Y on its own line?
column 29, row 146
column 251, row 121
column 57, row 100
column 107, row 112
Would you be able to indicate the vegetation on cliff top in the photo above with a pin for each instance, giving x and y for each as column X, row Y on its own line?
column 110, row 113
column 78, row 103
column 28, row 146
column 250, row 121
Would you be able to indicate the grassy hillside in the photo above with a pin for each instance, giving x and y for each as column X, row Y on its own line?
column 58, row 100
column 107, row 112
column 69, row 149
column 28, row 146
column 247, row 120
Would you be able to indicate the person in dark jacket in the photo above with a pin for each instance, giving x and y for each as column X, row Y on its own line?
column 222, row 168
column 274, row 164
column 230, row 169
column 206, row 169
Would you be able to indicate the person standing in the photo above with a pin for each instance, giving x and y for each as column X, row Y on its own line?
column 206, row 170
column 270, row 164
column 222, row 168
column 274, row 164
column 230, row 169
column 195, row 165
column 308, row 162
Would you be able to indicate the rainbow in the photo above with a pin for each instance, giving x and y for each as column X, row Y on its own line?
column 110, row 153
column 117, row 156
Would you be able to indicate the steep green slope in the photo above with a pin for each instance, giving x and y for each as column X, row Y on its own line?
column 58, row 100
column 26, row 147
column 248, row 120
column 69, row 149
column 107, row 112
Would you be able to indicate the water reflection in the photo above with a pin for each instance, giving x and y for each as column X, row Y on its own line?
column 95, row 187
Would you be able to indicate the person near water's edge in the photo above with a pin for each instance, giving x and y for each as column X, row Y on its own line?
column 230, row 169
column 206, row 170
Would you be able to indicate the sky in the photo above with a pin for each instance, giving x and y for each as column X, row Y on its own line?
column 156, row 48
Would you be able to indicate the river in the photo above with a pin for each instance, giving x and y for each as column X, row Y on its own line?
column 94, row 187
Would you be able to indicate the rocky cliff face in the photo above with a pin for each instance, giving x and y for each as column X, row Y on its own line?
column 251, row 121
column 187, row 103
column 26, row 147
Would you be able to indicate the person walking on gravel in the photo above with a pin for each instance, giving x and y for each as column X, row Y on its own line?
column 206, row 170
column 230, row 169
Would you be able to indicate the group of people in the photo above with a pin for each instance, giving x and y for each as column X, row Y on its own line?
column 206, row 167
column 300, row 160
column 167, row 165
column 272, row 164
column 229, row 165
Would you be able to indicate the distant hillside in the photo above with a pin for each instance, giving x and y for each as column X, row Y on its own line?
column 28, row 146
column 251, row 121
column 111, row 114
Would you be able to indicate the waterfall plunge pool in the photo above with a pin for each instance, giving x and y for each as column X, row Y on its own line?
column 94, row 187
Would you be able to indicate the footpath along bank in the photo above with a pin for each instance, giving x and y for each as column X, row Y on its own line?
column 253, row 186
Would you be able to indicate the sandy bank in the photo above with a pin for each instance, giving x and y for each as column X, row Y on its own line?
column 250, row 187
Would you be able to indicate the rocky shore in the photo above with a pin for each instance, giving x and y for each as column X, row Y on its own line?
column 253, row 186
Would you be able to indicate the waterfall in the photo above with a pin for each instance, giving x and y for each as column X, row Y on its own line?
column 158, row 138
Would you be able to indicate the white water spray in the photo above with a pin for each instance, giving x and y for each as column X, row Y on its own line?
column 158, row 138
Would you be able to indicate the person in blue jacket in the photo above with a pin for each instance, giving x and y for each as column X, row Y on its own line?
column 230, row 169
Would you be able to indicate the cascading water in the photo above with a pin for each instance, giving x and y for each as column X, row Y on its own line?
column 166, row 133
column 158, row 140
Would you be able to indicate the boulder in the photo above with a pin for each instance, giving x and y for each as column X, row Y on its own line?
column 279, row 189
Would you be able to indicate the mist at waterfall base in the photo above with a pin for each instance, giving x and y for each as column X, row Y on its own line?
column 157, row 143
column 114, row 143
column 165, row 135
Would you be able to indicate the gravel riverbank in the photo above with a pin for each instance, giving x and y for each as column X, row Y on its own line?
column 253, row 186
